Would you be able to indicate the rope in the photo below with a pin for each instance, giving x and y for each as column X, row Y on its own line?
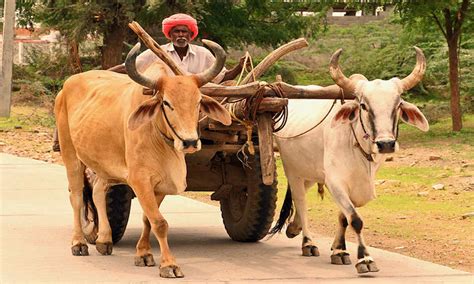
column 313, row 127
column 281, row 115
column 247, row 57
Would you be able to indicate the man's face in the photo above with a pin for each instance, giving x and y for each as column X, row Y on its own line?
column 180, row 35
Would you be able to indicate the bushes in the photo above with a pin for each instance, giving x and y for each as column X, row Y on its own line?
column 43, row 76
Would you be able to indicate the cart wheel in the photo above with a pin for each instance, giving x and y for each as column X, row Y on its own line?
column 248, row 212
column 119, row 200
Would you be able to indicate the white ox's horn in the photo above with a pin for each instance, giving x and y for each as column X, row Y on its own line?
column 339, row 78
column 417, row 74
column 132, row 69
column 209, row 74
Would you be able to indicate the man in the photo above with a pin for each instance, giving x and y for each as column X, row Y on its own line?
column 181, row 29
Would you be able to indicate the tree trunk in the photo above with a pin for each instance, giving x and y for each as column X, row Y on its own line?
column 456, row 113
column 74, row 59
column 113, row 44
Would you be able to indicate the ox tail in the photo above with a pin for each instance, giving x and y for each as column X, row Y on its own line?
column 89, row 206
column 285, row 213
column 321, row 190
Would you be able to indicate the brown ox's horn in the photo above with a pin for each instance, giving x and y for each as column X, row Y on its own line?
column 132, row 69
column 216, row 68
column 417, row 74
column 339, row 78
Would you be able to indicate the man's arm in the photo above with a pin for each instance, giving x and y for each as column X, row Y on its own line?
column 235, row 71
column 118, row 68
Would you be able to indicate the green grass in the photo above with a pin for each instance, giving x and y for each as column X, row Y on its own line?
column 440, row 132
column 27, row 118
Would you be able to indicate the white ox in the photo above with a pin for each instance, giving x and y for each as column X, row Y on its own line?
column 344, row 152
column 105, row 123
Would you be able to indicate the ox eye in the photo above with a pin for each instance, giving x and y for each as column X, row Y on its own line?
column 167, row 104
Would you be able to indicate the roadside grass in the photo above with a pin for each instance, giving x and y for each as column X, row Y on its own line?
column 27, row 118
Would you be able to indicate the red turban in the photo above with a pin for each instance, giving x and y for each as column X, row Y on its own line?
column 177, row 20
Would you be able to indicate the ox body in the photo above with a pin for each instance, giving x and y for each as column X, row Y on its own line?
column 343, row 152
column 105, row 123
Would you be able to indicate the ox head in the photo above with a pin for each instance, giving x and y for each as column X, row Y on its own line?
column 378, row 104
column 175, row 107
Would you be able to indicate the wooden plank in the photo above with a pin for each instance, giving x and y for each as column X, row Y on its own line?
column 313, row 92
column 219, row 136
column 265, row 143
column 243, row 91
column 7, row 59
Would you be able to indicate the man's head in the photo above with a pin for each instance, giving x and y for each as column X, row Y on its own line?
column 180, row 29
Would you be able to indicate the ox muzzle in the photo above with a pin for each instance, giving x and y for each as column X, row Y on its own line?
column 386, row 146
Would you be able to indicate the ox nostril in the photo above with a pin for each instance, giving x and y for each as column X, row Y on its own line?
column 387, row 146
column 190, row 143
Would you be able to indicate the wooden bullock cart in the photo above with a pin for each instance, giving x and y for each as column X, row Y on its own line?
column 236, row 162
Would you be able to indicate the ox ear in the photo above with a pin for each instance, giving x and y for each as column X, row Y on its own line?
column 410, row 114
column 144, row 113
column 348, row 113
column 213, row 109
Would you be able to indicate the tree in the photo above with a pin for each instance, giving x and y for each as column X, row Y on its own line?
column 449, row 16
column 80, row 19
column 231, row 23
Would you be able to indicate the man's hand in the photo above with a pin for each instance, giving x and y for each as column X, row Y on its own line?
column 248, row 64
column 119, row 69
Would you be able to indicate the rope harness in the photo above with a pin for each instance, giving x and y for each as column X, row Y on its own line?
column 313, row 127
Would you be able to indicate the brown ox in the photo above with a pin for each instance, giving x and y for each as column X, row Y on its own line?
column 106, row 124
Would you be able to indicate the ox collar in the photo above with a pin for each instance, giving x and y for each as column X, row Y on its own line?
column 366, row 136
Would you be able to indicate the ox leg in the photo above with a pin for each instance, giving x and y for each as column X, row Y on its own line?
column 150, row 205
column 294, row 227
column 339, row 254
column 75, row 176
column 365, row 263
column 298, row 191
column 103, row 244
column 144, row 256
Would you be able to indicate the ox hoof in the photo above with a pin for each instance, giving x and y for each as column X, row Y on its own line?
column 104, row 248
column 310, row 250
column 172, row 271
column 80, row 250
column 144, row 260
column 366, row 266
column 292, row 231
column 342, row 258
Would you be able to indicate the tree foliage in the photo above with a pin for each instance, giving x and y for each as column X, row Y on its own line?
column 450, row 18
column 230, row 23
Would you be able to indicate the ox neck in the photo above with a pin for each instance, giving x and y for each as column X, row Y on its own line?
column 159, row 126
column 362, row 140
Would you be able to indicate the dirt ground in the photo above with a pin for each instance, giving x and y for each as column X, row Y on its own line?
column 37, row 143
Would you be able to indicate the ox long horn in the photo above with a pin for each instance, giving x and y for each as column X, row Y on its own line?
column 132, row 68
column 417, row 74
column 339, row 78
column 209, row 74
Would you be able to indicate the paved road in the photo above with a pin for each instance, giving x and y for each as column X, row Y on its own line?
column 36, row 222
